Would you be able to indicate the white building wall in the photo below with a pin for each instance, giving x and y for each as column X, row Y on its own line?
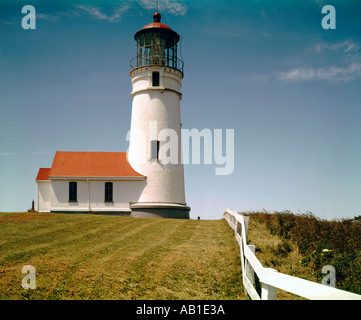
column 44, row 196
column 168, row 78
column 60, row 196
column 124, row 192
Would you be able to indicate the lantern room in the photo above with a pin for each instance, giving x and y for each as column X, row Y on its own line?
column 157, row 45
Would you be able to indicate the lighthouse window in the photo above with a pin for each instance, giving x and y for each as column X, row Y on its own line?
column 154, row 150
column 108, row 192
column 155, row 79
column 73, row 192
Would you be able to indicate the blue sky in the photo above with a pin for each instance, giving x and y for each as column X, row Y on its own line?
column 267, row 69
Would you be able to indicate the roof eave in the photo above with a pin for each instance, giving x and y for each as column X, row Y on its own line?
column 99, row 178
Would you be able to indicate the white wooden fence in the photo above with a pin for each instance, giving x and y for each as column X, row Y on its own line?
column 269, row 278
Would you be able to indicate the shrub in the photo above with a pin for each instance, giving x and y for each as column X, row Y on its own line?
column 312, row 235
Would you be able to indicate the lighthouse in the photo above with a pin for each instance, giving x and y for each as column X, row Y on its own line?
column 148, row 180
column 155, row 131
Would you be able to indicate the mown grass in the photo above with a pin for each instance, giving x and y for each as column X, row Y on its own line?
column 96, row 257
column 301, row 244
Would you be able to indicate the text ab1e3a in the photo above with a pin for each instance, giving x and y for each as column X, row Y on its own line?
column 206, row 309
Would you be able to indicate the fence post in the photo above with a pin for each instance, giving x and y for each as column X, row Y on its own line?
column 246, row 225
column 248, row 266
column 268, row 292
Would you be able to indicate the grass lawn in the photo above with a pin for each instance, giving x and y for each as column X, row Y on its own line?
column 80, row 256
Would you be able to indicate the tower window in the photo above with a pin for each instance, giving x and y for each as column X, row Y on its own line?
column 73, row 193
column 154, row 150
column 108, row 192
column 155, row 79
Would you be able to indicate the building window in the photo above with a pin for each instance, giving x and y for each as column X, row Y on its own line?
column 108, row 192
column 155, row 79
column 154, row 150
column 73, row 193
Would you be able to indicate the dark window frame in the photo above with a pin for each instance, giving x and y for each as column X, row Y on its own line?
column 154, row 149
column 108, row 192
column 73, row 191
column 155, row 79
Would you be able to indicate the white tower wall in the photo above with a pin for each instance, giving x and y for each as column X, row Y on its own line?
column 154, row 109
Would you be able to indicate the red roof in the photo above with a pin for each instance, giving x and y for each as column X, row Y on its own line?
column 43, row 174
column 156, row 23
column 91, row 164
column 158, row 26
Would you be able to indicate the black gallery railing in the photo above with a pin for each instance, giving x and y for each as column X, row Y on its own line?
column 159, row 60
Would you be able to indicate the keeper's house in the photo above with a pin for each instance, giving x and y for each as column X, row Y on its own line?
column 89, row 182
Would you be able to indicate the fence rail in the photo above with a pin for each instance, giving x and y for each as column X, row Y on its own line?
column 269, row 278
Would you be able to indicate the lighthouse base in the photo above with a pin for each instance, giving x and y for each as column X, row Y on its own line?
column 159, row 210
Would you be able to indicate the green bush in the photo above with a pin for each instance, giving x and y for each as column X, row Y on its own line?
column 321, row 242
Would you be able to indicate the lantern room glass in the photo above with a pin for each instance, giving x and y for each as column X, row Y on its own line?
column 157, row 47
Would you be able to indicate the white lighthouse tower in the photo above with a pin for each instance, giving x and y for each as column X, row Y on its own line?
column 155, row 135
